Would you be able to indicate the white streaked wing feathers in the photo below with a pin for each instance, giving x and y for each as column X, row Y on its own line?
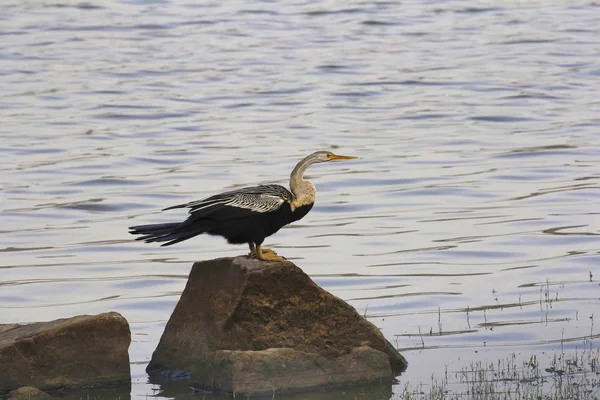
column 263, row 199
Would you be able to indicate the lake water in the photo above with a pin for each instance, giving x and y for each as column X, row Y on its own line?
column 468, row 230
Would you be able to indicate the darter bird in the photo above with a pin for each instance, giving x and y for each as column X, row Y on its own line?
column 247, row 215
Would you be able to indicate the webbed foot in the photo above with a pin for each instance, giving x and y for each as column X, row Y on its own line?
column 267, row 254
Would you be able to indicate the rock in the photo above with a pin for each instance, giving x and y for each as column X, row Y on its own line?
column 28, row 393
column 83, row 351
column 249, row 327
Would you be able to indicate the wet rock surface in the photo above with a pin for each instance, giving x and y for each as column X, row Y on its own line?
column 248, row 327
column 83, row 351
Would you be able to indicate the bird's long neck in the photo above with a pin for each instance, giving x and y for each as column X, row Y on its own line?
column 304, row 191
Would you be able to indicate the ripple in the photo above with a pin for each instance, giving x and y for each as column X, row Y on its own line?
column 500, row 118
column 372, row 22
column 153, row 116
column 405, row 83
column 324, row 13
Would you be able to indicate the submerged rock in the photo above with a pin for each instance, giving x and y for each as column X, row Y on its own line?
column 83, row 351
column 28, row 393
column 249, row 327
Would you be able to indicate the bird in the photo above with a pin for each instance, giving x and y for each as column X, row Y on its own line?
column 247, row 215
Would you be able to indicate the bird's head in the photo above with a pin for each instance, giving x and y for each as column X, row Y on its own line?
column 296, row 181
column 325, row 156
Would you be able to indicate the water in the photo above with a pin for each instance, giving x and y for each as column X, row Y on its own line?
column 471, row 217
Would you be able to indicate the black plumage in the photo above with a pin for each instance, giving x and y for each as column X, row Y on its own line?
column 247, row 215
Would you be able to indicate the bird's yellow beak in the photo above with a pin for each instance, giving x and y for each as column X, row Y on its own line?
column 333, row 157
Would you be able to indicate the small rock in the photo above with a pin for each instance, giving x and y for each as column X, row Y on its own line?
column 28, row 393
column 249, row 327
column 83, row 351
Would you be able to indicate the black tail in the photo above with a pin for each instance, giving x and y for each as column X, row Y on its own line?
column 171, row 233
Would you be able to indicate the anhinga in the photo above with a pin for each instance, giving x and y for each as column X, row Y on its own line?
column 247, row 215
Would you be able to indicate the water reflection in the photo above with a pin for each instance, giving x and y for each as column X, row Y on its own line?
column 182, row 390
column 110, row 393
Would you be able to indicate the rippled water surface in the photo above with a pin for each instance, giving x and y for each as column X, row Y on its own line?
column 467, row 230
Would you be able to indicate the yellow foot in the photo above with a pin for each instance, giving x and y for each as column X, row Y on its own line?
column 270, row 257
column 253, row 251
column 267, row 254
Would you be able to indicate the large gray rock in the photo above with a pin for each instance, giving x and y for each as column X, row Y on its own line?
column 83, row 351
column 249, row 327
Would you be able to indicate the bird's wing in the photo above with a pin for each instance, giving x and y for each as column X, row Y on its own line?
column 240, row 203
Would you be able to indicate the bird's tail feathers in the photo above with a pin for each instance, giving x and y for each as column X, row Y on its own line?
column 157, row 229
column 170, row 232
